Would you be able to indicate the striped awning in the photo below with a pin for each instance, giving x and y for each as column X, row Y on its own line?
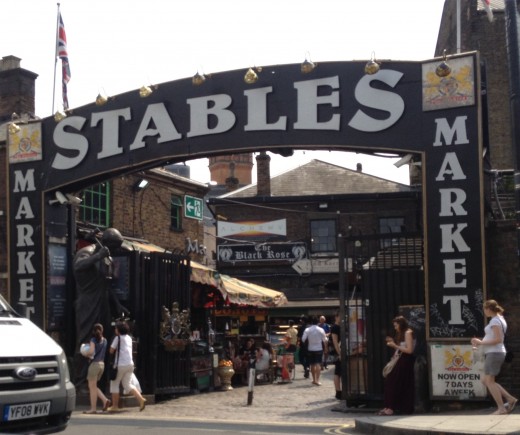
column 236, row 291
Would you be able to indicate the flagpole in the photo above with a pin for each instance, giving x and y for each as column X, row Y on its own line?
column 458, row 27
column 55, row 57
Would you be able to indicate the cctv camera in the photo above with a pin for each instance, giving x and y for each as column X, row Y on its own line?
column 62, row 199
column 73, row 200
column 403, row 161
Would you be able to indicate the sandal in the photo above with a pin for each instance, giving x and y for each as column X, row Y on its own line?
column 89, row 412
column 500, row 412
column 387, row 412
column 107, row 405
column 512, row 405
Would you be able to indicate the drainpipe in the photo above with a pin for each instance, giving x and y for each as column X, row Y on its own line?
column 513, row 53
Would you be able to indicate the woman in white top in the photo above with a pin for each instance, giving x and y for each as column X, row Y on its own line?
column 122, row 347
column 495, row 352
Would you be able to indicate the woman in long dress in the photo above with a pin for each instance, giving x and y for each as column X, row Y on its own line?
column 399, row 396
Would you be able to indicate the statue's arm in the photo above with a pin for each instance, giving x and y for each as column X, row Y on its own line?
column 86, row 257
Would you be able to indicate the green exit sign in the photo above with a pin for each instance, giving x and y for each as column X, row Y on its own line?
column 192, row 207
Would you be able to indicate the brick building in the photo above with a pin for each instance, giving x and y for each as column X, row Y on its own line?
column 311, row 204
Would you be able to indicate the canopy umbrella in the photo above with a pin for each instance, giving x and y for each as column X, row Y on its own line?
column 205, row 275
column 236, row 291
column 241, row 292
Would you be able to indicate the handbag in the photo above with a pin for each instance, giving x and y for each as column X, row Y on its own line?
column 391, row 364
column 112, row 370
column 509, row 353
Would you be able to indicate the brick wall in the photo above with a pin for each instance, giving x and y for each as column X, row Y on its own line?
column 146, row 214
column 503, row 266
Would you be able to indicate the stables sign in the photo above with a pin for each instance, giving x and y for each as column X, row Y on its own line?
column 405, row 107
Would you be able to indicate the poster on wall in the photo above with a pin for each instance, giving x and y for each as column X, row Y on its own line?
column 456, row 372
column 57, row 288
column 356, row 329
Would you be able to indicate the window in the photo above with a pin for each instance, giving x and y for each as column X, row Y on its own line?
column 323, row 236
column 176, row 213
column 390, row 225
column 95, row 205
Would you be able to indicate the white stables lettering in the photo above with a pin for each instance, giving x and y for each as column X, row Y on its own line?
column 25, row 248
column 452, row 199
column 158, row 122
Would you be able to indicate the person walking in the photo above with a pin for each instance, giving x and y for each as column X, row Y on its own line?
column 326, row 327
column 121, row 347
column 302, row 347
column 399, row 393
column 96, row 354
column 495, row 352
column 316, row 345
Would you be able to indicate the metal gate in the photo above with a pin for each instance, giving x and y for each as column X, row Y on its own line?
column 156, row 281
column 385, row 279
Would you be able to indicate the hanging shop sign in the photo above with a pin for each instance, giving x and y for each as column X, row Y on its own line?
column 252, row 228
column 262, row 252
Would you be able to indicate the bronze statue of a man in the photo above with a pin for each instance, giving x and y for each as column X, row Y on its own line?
column 92, row 267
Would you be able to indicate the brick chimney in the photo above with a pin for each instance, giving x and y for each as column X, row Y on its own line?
column 231, row 181
column 17, row 88
column 263, row 174
column 219, row 168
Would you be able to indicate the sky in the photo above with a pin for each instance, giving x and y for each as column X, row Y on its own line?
column 115, row 46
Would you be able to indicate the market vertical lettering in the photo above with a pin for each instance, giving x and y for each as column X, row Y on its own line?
column 452, row 202
column 25, row 270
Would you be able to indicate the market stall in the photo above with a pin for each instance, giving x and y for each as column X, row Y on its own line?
column 238, row 311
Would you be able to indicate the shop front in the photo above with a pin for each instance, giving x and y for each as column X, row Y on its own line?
column 231, row 312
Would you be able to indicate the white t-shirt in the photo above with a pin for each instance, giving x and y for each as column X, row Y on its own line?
column 262, row 363
column 499, row 322
column 316, row 337
column 125, row 350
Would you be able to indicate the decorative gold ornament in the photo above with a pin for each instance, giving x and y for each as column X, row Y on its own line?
column 372, row 66
column 175, row 328
column 101, row 100
column 13, row 128
column 145, row 91
column 250, row 77
column 443, row 69
column 307, row 66
column 198, row 79
column 59, row 115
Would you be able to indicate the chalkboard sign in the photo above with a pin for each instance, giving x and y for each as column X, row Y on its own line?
column 416, row 316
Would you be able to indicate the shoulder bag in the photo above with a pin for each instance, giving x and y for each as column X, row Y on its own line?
column 509, row 353
column 391, row 364
column 112, row 371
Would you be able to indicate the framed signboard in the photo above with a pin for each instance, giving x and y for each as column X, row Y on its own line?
column 456, row 373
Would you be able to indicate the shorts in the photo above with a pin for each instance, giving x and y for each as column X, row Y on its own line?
column 493, row 363
column 95, row 370
column 315, row 357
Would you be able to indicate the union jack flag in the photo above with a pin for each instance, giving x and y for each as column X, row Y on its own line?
column 64, row 56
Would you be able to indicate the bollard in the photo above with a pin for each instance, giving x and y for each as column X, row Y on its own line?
column 251, row 381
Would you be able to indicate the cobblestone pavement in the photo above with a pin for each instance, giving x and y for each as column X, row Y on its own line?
column 299, row 401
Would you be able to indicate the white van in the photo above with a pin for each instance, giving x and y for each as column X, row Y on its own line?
column 36, row 394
